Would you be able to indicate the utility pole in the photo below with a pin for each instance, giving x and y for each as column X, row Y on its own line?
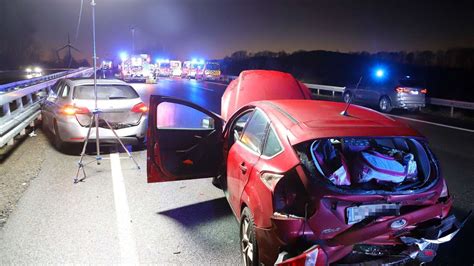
column 132, row 29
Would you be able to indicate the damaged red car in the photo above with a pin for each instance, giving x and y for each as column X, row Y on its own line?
column 309, row 185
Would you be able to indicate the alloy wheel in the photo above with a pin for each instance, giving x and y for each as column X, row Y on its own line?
column 245, row 243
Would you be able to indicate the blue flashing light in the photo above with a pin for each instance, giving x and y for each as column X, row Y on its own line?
column 379, row 73
column 123, row 56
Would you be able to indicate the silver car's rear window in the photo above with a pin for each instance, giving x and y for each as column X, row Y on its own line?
column 105, row 92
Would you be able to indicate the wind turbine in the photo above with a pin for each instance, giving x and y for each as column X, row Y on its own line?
column 69, row 47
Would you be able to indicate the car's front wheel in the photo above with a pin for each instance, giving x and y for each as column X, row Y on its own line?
column 385, row 105
column 248, row 240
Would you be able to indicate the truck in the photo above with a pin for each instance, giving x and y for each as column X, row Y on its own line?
column 136, row 68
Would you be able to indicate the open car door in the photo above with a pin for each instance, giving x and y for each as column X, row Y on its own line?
column 184, row 140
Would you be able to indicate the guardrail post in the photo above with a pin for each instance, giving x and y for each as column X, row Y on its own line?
column 452, row 110
column 333, row 93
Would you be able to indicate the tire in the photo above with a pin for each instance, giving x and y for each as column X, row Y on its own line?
column 385, row 105
column 248, row 239
column 346, row 97
column 58, row 143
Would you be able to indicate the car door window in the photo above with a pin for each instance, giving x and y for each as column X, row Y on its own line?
column 178, row 116
column 272, row 145
column 65, row 91
column 238, row 127
column 254, row 132
column 56, row 87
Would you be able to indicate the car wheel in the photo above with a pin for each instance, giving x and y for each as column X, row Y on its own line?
column 347, row 97
column 385, row 105
column 248, row 240
column 58, row 143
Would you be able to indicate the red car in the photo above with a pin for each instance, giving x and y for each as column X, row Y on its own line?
column 309, row 185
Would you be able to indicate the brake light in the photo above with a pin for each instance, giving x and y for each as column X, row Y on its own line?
column 402, row 89
column 289, row 195
column 140, row 108
column 73, row 110
column 424, row 91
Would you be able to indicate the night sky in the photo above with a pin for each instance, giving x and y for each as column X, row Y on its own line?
column 216, row 28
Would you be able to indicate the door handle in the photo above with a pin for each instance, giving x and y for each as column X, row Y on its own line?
column 243, row 168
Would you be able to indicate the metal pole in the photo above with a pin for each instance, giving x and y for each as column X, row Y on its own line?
column 133, row 39
column 96, row 111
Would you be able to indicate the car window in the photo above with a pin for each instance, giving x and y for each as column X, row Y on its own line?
column 56, row 87
column 238, row 127
column 254, row 133
column 105, row 92
column 272, row 145
column 178, row 116
column 65, row 91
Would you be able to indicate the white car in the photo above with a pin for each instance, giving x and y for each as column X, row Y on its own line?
column 67, row 111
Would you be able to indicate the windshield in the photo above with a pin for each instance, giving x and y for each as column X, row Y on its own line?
column 212, row 67
column 105, row 92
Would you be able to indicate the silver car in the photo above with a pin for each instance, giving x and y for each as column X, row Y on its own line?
column 66, row 111
column 405, row 93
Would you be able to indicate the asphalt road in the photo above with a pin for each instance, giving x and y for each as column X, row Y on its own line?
column 116, row 217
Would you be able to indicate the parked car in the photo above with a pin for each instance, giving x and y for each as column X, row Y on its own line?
column 387, row 94
column 66, row 112
column 308, row 185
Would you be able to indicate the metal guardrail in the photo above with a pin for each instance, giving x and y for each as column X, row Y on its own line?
column 20, row 103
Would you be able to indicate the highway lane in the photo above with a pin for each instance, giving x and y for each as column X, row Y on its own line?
column 116, row 217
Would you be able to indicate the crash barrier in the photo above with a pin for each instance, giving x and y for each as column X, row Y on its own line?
column 451, row 104
column 20, row 102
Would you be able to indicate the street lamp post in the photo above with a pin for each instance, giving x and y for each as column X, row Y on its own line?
column 132, row 29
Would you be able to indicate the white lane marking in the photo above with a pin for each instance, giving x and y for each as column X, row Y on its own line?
column 204, row 88
column 433, row 123
column 127, row 245
column 217, row 83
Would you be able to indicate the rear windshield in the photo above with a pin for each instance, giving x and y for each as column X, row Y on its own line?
column 411, row 83
column 391, row 164
column 105, row 92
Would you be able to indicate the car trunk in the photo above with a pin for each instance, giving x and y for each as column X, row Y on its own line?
column 118, row 113
column 385, row 165
column 115, row 102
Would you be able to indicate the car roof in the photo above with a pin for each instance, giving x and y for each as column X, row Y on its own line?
column 258, row 85
column 89, row 81
column 311, row 119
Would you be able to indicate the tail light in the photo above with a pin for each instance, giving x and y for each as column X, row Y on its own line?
column 289, row 195
column 424, row 91
column 402, row 89
column 73, row 110
column 140, row 108
column 313, row 256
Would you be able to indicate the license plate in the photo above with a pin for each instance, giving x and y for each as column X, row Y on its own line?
column 359, row 213
column 414, row 92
